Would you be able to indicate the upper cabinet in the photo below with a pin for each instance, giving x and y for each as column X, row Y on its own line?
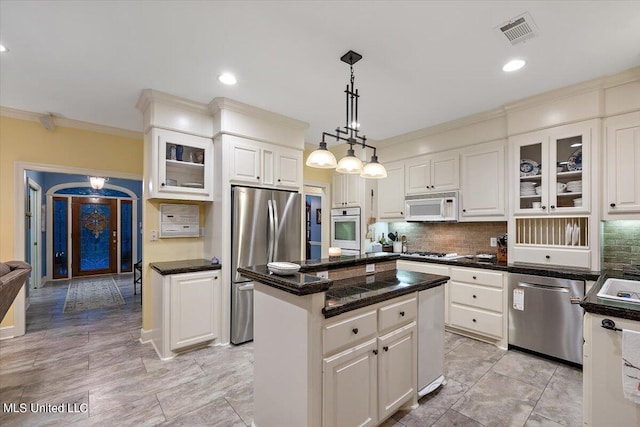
column 552, row 170
column 182, row 166
column 622, row 156
column 391, row 192
column 482, row 187
column 263, row 164
column 430, row 173
column 346, row 190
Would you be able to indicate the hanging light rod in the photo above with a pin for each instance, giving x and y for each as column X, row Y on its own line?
column 350, row 164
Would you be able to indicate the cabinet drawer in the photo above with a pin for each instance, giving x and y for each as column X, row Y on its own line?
column 480, row 321
column 476, row 296
column 481, row 277
column 349, row 331
column 397, row 314
column 549, row 256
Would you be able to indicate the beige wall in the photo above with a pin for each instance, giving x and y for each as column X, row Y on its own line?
column 27, row 141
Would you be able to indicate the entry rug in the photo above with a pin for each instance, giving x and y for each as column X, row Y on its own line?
column 93, row 293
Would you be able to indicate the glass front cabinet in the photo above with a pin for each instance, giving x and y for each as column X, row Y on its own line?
column 552, row 170
column 183, row 166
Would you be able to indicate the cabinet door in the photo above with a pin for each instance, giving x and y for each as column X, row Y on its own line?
column 445, row 172
column 418, row 176
column 482, row 192
column 268, row 158
column 397, row 368
column 622, row 151
column 338, row 190
column 530, row 185
column 391, row 192
column 289, row 168
column 193, row 313
column 350, row 387
column 184, row 165
column 245, row 162
column 352, row 186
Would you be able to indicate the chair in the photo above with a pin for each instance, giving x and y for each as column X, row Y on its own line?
column 137, row 278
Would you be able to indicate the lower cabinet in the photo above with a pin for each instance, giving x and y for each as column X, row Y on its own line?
column 369, row 381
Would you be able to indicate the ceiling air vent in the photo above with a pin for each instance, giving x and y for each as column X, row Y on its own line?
column 519, row 29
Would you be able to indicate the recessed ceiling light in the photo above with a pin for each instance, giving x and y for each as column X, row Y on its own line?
column 227, row 79
column 3, row 48
column 513, row 65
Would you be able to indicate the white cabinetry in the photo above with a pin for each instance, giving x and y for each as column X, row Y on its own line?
column 368, row 373
column 391, row 192
column 622, row 154
column 483, row 189
column 263, row 164
column 185, row 310
column 432, row 173
column 346, row 190
column 603, row 401
column 181, row 165
column 552, row 168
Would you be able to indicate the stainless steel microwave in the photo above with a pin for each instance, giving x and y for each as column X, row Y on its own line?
column 432, row 207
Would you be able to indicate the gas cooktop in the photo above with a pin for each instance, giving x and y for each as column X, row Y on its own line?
column 434, row 255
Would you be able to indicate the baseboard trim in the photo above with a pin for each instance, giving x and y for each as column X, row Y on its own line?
column 145, row 336
column 7, row 332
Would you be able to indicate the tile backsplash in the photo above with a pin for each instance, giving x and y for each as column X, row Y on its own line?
column 461, row 237
column 620, row 244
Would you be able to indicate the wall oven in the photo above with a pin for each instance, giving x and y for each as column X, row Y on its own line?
column 345, row 230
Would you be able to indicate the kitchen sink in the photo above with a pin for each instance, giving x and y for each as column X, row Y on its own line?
column 621, row 290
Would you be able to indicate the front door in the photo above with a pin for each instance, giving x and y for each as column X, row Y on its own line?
column 94, row 236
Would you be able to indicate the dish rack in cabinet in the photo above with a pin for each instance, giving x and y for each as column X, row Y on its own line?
column 562, row 241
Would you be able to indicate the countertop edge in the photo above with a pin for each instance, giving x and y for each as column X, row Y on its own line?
column 185, row 266
column 281, row 282
column 332, row 263
column 593, row 304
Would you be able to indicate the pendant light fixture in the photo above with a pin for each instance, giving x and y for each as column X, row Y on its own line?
column 97, row 182
column 350, row 164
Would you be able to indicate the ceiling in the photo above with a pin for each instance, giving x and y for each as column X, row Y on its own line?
column 423, row 63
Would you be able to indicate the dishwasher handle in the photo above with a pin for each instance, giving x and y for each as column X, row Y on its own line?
column 543, row 287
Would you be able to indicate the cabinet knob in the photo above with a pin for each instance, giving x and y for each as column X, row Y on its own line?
column 474, row 277
column 547, row 256
column 613, row 205
column 355, row 331
column 543, row 207
column 385, row 348
column 279, row 180
column 552, row 206
column 162, row 184
column 401, row 213
column 215, row 277
column 474, row 296
column 474, row 320
column 402, row 314
column 375, row 352
column 464, row 210
column 257, row 177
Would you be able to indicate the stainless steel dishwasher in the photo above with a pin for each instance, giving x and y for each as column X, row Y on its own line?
column 545, row 316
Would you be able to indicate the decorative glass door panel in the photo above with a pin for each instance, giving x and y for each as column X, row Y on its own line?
column 126, row 243
column 94, row 236
column 568, row 176
column 532, row 186
column 60, row 238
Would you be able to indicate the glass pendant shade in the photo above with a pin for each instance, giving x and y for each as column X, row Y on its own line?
column 322, row 158
column 97, row 182
column 349, row 164
column 373, row 169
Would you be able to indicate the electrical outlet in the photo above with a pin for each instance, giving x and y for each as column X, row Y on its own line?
column 493, row 242
column 323, row 274
column 370, row 268
column 153, row 235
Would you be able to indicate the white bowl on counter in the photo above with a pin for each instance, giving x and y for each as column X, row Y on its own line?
column 283, row 268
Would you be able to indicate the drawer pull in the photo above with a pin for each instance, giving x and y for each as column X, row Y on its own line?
column 385, row 348
column 375, row 352
column 547, row 256
column 474, row 320
column 474, row 277
column 613, row 205
column 355, row 331
column 402, row 314
column 474, row 296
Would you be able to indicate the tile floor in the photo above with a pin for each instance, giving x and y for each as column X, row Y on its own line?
column 93, row 359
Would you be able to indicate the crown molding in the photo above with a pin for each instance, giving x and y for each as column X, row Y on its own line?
column 147, row 96
column 443, row 127
column 70, row 123
column 221, row 103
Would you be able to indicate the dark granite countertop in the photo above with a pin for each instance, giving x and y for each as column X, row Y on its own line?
column 184, row 266
column 474, row 262
column 313, row 265
column 297, row 283
column 593, row 304
column 356, row 292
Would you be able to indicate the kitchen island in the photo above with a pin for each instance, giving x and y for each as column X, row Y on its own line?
column 336, row 352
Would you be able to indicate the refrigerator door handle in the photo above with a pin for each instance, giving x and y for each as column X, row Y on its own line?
column 271, row 239
column 276, row 229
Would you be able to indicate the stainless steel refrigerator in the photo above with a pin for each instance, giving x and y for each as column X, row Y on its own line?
column 265, row 227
